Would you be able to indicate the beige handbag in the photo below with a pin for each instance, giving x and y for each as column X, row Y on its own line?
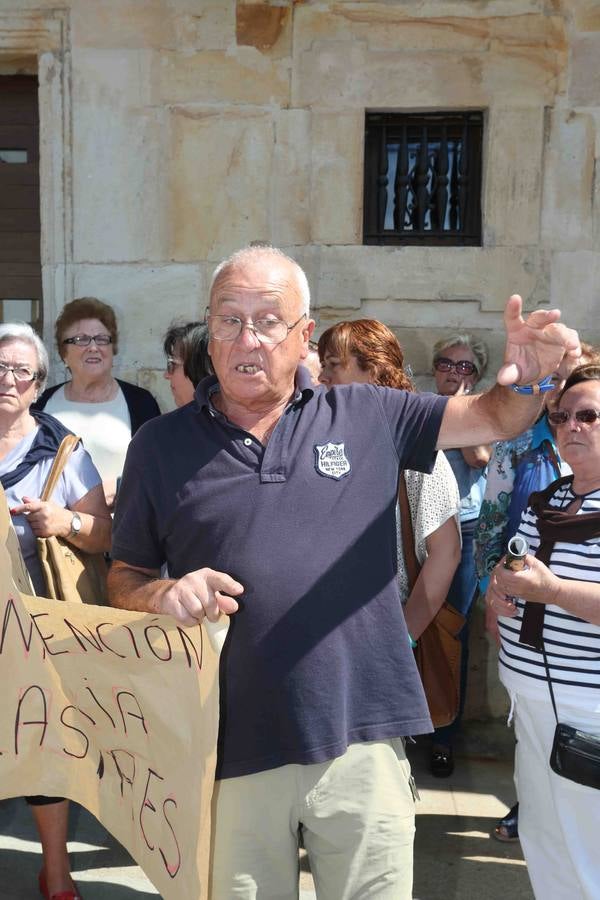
column 70, row 573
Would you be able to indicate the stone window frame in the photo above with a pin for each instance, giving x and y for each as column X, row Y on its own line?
column 37, row 42
column 459, row 191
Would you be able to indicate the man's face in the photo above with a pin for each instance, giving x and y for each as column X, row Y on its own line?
column 251, row 373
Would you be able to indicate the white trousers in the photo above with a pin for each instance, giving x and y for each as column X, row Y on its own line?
column 559, row 821
column 357, row 817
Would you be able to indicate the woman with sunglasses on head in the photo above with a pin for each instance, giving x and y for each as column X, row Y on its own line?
column 77, row 512
column 549, row 623
column 103, row 410
column 367, row 351
column 188, row 361
column 459, row 362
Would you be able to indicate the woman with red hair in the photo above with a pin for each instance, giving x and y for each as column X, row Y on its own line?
column 367, row 351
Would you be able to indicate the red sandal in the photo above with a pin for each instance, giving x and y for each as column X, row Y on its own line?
column 62, row 895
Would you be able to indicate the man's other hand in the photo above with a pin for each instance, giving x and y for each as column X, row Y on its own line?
column 201, row 593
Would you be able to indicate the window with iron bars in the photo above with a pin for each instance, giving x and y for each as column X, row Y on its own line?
column 423, row 178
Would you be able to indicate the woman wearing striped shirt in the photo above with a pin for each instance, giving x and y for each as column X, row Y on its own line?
column 558, row 819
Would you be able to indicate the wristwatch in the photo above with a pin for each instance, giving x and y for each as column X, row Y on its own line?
column 75, row 525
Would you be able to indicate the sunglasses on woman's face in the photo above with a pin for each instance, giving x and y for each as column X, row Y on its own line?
column 583, row 416
column 462, row 366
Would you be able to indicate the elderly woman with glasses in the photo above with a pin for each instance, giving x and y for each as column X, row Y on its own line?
column 459, row 362
column 103, row 410
column 188, row 361
column 77, row 512
column 518, row 467
column 549, row 622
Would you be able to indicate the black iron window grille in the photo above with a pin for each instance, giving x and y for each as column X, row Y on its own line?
column 423, row 178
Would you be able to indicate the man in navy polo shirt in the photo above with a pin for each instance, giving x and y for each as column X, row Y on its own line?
column 282, row 494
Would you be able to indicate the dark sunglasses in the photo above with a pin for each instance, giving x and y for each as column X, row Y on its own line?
column 462, row 367
column 585, row 416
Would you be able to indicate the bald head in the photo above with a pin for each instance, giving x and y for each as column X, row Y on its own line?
column 249, row 257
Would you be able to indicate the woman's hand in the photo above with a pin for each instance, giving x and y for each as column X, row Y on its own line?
column 535, row 583
column 45, row 518
column 538, row 584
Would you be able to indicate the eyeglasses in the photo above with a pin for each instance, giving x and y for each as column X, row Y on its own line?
column 84, row 340
column 583, row 416
column 462, row 366
column 269, row 330
column 20, row 373
column 172, row 364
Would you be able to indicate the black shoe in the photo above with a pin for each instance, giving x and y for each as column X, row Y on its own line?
column 442, row 762
column 507, row 829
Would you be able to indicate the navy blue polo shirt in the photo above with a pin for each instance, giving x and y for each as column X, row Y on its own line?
column 318, row 656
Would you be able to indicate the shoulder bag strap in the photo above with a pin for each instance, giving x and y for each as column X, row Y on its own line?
column 67, row 445
column 408, row 535
column 546, row 666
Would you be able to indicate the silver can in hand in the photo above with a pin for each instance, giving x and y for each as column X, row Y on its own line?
column 517, row 550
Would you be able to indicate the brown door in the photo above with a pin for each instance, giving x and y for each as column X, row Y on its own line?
column 20, row 264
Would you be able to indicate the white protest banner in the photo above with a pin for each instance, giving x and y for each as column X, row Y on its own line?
column 117, row 711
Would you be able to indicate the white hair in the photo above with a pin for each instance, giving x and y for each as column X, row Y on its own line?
column 461, row 339
column 263, row 251
column 21, row 331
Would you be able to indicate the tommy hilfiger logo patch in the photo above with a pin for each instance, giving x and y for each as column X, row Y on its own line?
column 331, row 460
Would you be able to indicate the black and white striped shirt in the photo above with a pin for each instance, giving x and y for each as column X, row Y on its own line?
column 572, row 645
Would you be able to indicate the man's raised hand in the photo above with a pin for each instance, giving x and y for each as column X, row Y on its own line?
column 535, row 346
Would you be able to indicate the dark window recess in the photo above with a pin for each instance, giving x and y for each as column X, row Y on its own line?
column 423, row 178
column 20, row 263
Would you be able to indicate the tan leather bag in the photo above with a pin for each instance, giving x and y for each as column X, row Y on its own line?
column 438, row 651
column 70, row 573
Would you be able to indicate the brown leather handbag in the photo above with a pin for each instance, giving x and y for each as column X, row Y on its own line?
column 70, row 573
column 438, row 651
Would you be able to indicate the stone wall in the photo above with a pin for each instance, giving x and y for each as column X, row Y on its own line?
column 188, row 128
column 174, row 131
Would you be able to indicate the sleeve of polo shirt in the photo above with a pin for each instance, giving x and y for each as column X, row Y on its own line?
column 135, row 527
column 414, row 422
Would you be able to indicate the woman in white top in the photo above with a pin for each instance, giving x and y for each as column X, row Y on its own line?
column 367, row 351
column 103, row 410
column 77, row 512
